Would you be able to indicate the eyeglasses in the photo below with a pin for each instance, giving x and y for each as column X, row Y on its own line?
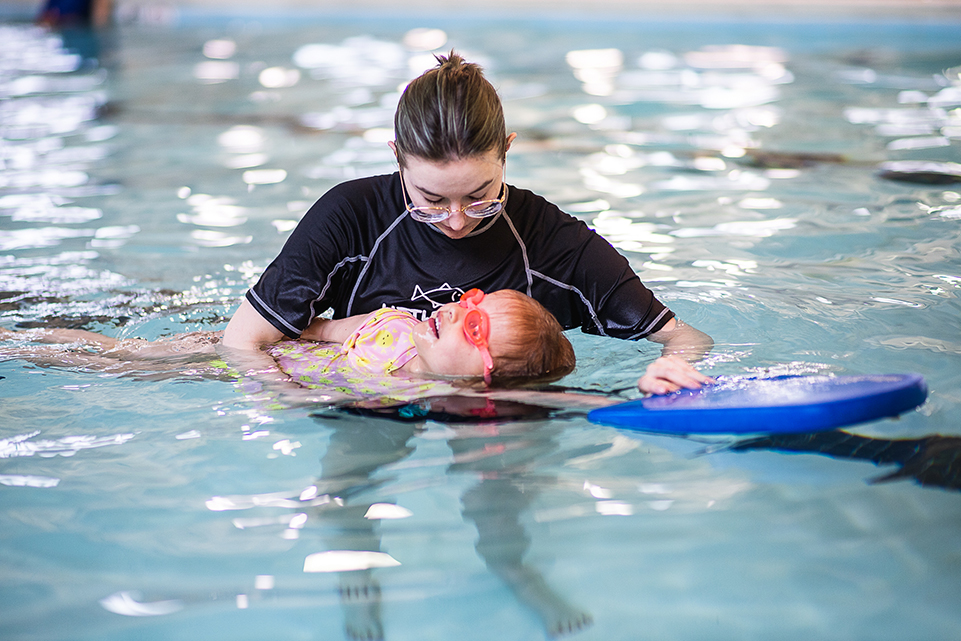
column 479, row 209
column 477, row 328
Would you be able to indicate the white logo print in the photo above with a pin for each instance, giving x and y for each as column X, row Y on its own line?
column 437, row 296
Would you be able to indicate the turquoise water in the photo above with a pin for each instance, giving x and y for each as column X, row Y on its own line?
column 147, row 177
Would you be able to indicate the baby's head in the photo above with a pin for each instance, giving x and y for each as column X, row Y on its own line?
column 505, row 336
column 526, row 341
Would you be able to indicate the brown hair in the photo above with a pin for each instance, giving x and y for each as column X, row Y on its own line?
column 449, row 112
column 527, row 342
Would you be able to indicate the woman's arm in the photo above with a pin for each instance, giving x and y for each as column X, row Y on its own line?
column 333, row 331
column 617, row 303
column 242, row 346
column 248, row 330
column 682, row 345
column 679, row 338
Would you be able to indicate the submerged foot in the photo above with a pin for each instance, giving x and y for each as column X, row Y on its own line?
column 360, row 599
column 558, row 616
column 573, row 622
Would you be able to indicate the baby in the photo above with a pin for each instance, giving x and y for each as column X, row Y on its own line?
column 505, row 337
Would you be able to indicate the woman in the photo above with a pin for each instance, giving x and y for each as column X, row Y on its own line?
column 447, row 222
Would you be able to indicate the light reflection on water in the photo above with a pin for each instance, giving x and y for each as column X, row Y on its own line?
column 144, row 186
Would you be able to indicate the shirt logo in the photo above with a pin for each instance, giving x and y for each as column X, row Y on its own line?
column 438, row 296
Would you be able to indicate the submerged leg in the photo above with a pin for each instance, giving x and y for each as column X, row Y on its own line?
column 356, row 451
column 56, row 356
column 495, row 507
column 61, row 335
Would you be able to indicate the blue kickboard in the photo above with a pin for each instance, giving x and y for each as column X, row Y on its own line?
column 779, row 405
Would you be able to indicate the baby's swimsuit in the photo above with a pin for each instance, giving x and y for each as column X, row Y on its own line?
column 383, row 343
column 361, row 368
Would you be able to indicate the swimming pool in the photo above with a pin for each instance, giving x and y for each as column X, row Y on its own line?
column 149, row 175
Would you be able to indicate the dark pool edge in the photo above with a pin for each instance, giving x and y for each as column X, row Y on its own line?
column 282, row 11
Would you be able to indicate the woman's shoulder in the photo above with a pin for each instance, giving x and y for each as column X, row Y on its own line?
column 372, row 196
column 533, row 212
column 531, row 204
column 362, row 189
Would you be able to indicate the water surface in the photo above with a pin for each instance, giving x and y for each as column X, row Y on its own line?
column 149, row 174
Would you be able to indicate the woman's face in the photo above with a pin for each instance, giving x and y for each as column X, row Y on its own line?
column 443, row 347
column 454, row 184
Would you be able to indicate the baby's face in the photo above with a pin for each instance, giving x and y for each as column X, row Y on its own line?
column 442, row 345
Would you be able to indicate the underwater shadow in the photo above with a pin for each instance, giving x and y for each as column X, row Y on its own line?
column 932, row 461
column 499, row 441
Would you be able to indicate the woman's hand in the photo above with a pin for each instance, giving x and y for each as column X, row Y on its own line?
column 673, row 370
column 670, row 373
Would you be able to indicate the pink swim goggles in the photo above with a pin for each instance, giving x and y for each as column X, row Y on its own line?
column 477, row 328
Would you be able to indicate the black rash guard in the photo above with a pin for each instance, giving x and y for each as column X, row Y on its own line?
column 357, row 249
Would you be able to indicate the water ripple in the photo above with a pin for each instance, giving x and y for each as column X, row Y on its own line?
column 21, row 445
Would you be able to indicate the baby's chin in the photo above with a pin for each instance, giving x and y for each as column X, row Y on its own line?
column 423, row 335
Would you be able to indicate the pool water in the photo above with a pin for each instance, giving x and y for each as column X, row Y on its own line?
column 150, row 173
